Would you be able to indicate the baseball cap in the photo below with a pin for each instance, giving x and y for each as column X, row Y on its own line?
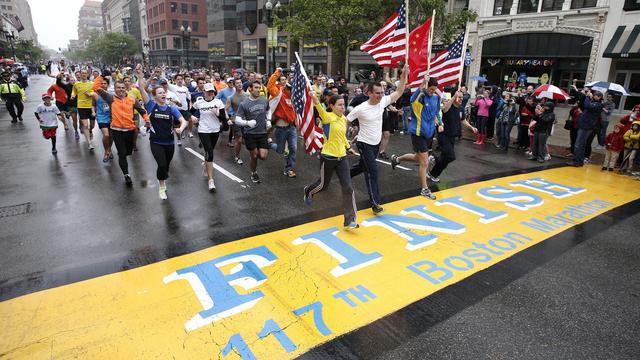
column 163, row 81
column 45, row 95
column 229, row 79
column 330, row 81
column 209, row 87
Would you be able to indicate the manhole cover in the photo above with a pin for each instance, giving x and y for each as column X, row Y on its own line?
column 14, row 210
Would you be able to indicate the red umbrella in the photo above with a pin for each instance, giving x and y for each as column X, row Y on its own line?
column 551, row 92
column 7, row 61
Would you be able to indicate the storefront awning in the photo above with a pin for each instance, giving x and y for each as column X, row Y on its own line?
column 625, row 43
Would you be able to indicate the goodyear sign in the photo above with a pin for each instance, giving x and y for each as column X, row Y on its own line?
column 277, row 295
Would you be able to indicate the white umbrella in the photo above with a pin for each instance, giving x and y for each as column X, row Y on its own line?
column 605, row 86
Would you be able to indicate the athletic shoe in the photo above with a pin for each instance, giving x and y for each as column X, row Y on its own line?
column 179, row 142
column 377, row 209
column 127, row 180
column 586, row 160
column 547, row 157
column 290, row 173
column 162, row 191
column 54, row 151
column 91, row 146
column 528, row 153
column 212, row 186
column 238, row 161
column 255, row 178
column 352, row 226
column 432, row 162
column 433, row 178
column 306, row 198
column 77, row 136
column 427, row 193
column 394, row 161
column 190, row 134
column 105, row 159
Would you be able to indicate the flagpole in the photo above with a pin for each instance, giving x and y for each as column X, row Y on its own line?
column 464, row 54
column 406, row 38
column 433, row 21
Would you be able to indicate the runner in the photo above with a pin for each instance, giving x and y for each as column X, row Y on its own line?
column 252, row 115
column 333, row 157
column 103, row 117
column 284, row 118
column 184, row 96
column 72, row 107
column 452, row 116
column 369, row 115
column 133, row 92
column 48, row 116
column 61, row 92
column 233, row 103
column 161, row 121
column 122, row 126
column 425, row 119
column 206, row 111
column 13, row 95
column 80, row 89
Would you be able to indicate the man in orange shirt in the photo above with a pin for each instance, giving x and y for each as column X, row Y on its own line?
column 283, row 117
column 217, row 82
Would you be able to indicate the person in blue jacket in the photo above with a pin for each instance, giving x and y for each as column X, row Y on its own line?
column 586, row 125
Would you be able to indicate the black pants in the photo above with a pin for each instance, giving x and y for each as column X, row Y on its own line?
column 573, row 135
column 369, row 167
column 208, row 141
column 538, row 150
column 163, row 155
column 329, row 165
column 124, row 142
column 491, row 124
column 587, row 150
column 447, row 154
column 523, row 136
column 12, row 105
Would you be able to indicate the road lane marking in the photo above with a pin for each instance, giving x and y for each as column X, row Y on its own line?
column 215, row 166
column 386, row 162
column 277, row 295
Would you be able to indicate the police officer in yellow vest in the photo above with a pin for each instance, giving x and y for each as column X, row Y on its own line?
column 13, row 95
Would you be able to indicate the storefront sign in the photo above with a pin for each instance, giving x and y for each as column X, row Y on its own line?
column 530, row 62
column 544, row 24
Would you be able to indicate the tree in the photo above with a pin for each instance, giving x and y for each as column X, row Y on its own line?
column 341, row 23
column 347, row 23
column 111, row 47
column 27, row 51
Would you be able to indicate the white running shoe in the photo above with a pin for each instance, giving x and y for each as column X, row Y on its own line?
column 547, row 157
column 162, row 191
column 239, row 161
column 212, row 186
column 190, row 134
column 91, row 146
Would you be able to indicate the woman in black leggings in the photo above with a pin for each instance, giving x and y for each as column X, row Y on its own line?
column 206, row 111
column 163, row 119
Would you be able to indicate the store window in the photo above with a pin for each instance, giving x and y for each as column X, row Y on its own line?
column 579, row 4
column 250, row 47
column 631, row 5
column 528, row 6
column 552, row 5
column 502, row 7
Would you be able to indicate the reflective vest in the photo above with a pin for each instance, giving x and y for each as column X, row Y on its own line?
column 12, row 90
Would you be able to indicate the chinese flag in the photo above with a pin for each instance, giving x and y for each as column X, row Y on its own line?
column 418, row 54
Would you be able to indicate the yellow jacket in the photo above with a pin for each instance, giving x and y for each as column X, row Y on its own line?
column 632, row 139
column 11, row 88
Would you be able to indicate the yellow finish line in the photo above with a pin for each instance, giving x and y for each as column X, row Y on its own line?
column 277, row 295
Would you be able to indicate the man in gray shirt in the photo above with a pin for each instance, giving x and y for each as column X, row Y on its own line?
column 233, row 104
column 607, row 108
column 252, row 116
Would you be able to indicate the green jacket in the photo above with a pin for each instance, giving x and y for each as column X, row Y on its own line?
column 12, row 90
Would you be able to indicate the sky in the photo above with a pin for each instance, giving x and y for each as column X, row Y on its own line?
column 56, row 21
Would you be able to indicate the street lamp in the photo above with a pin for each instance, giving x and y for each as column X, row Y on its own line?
column 146, row 44
column 10, row 36
column 123, row 45
column 269, row 7
column 186, row 41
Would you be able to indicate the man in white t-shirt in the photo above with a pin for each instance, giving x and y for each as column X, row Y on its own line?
column 369, row 115
column 182, row 92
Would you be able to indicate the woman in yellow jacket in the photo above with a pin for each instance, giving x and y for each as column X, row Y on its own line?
column 631, row 146
column 333, row 158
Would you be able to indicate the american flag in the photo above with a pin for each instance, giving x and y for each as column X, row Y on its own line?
column 446, row 66
column 387, row 46
column 303, row 106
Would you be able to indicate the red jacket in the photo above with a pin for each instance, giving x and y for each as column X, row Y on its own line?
column 526, row 114
column 284, row 109
column 61, row 95
column 615, row 141
column 626, row 123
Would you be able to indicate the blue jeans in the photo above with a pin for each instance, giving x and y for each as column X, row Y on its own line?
column 581, row 143
column 406, row 115
column 602, row 134
column 505, row 134
column 367, row 165
column 287, row 135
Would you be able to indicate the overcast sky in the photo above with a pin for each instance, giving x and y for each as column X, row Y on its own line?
column 56, row 22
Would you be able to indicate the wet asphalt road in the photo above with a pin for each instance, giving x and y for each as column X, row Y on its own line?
column 84, row 222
